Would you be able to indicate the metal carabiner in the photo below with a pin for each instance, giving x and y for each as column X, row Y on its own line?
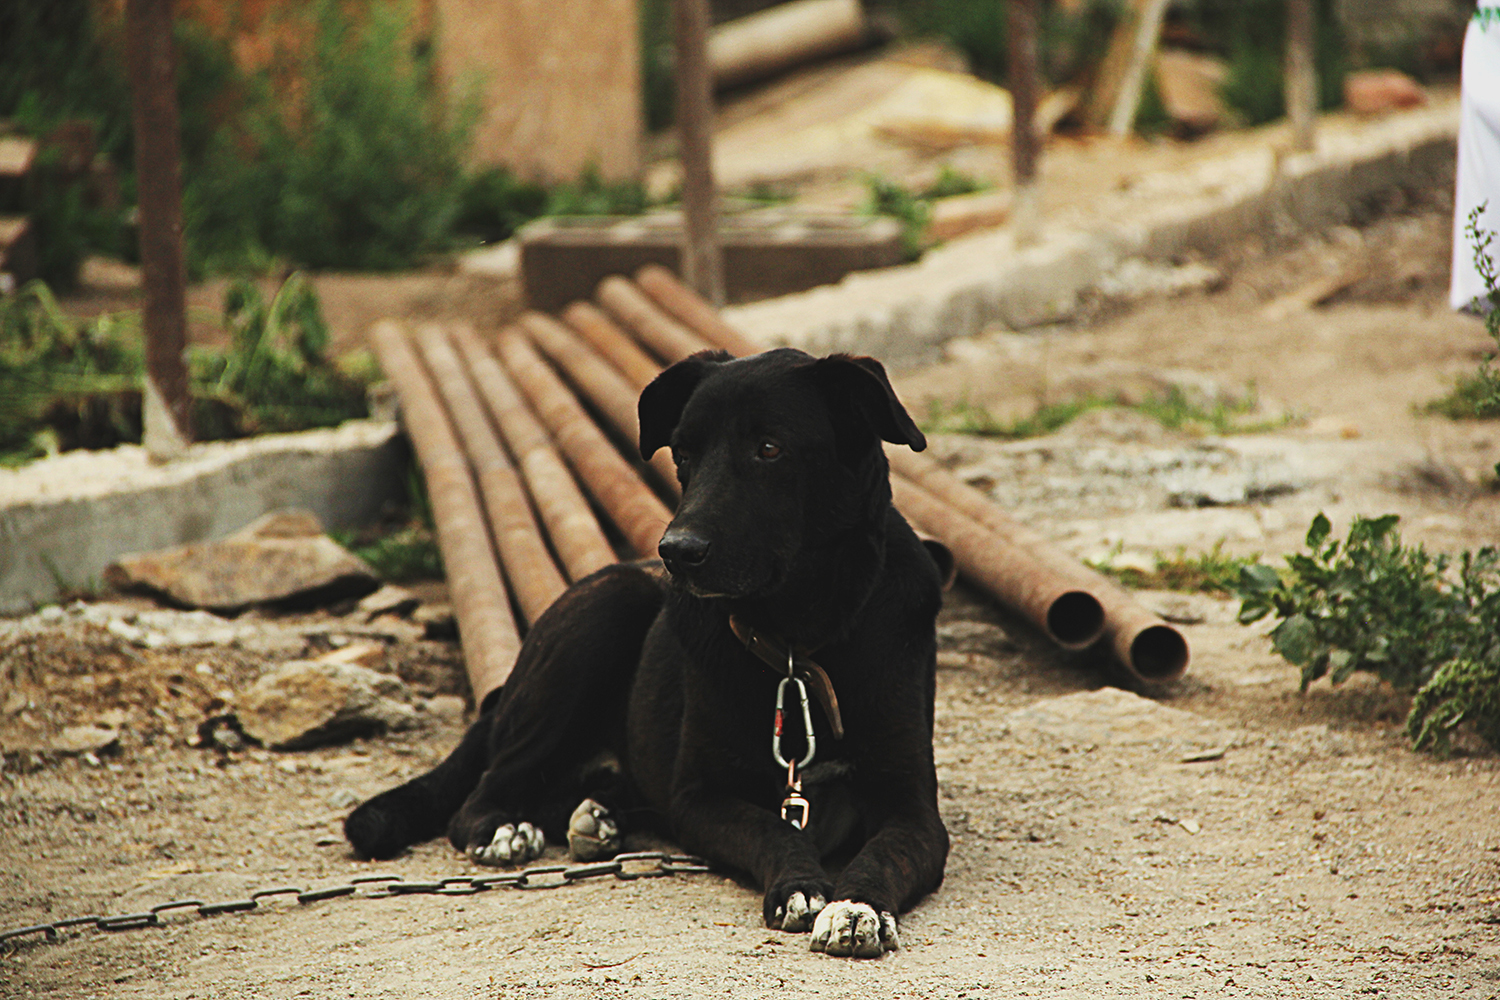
column 807, row 726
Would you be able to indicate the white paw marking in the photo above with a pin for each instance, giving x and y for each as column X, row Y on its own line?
column 513, row 844
column 798, row 913
column 592, row 833
column 848, row 928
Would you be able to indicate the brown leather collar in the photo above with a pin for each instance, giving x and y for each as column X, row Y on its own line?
column 773, row 654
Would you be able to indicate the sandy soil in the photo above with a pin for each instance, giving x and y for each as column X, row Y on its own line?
column 1228, row 836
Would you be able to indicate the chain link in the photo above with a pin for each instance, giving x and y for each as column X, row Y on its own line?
column 659, row 864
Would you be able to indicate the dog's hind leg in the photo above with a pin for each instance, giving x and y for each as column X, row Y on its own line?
column 563, row 709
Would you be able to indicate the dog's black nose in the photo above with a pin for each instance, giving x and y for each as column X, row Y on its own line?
column 680, row 547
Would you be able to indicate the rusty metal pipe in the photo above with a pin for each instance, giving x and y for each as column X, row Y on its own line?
column 635, row 510
column 613, row 343
column 688, row 308
column 1069, row 614
column 527, row 564
column 664, row 336
column 571, row 526
column 486, row 629
column 1152, row 649
column 603, row 386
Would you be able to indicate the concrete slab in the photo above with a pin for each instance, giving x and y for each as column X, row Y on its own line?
column 904, row 314
column 63, row 519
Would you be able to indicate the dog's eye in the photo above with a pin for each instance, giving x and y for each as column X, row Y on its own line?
column 769, row 451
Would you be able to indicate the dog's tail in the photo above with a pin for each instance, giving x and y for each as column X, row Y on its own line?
column 419, row 810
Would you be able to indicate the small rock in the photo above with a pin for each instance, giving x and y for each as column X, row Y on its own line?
column 1190, row 825
column 1190, row 88
column 343, row 799
column 306, row 703
column 280, row 559
column 388, row 600
column 445, row 706
column 1375, row 90
column 85, row 740
column 364, row 653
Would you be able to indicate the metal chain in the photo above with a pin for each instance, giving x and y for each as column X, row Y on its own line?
column 384, row 886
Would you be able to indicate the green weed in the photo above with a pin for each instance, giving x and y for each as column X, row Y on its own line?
column 68, row 383
column 1174, row 410
column 1476, row 395
column 964, row 417
column 1211, row 572
column 359, row 165
column 1368, row 603
column 408, row 553
column 913, row 209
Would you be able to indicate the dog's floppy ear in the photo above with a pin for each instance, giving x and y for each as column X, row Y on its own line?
column 661, row 402
column 861, row 383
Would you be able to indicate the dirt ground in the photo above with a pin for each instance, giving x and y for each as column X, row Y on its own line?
column 1226, row 836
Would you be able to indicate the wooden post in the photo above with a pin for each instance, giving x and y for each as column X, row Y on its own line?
column 1024, row 143
column 166, row 404
column 1117, row 91
column 702, row 262
column 1301, row 74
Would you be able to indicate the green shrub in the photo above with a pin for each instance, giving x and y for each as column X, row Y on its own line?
column 359, row 165
column 1369, row 603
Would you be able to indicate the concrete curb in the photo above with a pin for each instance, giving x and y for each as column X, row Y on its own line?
column 904, row 314
column 62, row 520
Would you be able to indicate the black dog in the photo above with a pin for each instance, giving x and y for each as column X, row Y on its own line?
column 654, row 701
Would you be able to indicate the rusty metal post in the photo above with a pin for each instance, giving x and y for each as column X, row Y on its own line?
column 1149, row 647
column 668, row 339
column 634, row 509
column 1068, row 613
column 486, row 627
column 1301, row 74
column 597, row 381
column 166, row 402
column 1024, row 143
column 702, row 260
column 571, row 526
column 693, row 312
column 613, row 343
column 528, row 566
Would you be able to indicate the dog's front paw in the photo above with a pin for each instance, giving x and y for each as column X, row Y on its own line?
column 512, row 844
column 849, row 928
column 592, row 833
column 792, row 906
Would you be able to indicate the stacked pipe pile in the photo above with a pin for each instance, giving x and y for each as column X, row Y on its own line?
column 529, row 492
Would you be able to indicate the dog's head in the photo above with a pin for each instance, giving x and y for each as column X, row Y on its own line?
column 779, row 456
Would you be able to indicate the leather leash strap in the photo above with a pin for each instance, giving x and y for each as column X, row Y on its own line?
column 774, row 655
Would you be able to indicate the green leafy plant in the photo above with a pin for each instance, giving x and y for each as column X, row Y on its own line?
column 1476, row 395
column 1369, row 603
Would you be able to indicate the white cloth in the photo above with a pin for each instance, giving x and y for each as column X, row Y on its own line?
column 1478, row 151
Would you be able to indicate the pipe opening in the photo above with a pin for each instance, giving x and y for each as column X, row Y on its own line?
column 1075, row 619
column 1158, row 653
